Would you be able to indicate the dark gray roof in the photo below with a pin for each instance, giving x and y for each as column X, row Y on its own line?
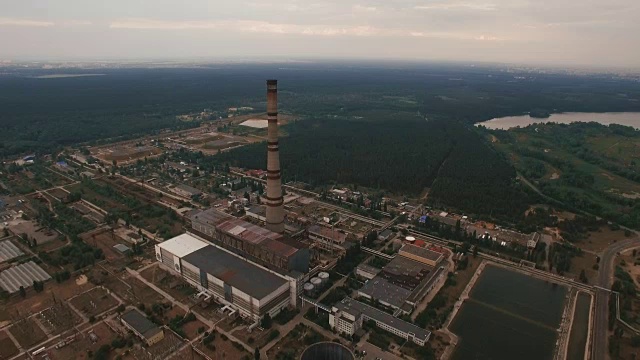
column 234, row 271
column 140, row 323
column 383, row 290
column 355, row 307
column 386, row 233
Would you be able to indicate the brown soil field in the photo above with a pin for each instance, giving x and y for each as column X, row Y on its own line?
column 600, row 240
column 164, row 280
column 189, row 353
column 7, row 348
column 105, row 240
column 94, row 302
column 223, row 349
column 58, row 318
column 79, row 349
column 27, row 332
column 36, row 302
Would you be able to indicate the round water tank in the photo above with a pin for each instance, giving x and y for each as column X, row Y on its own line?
column 327, row 351
column 316, row 281
column 410, row 239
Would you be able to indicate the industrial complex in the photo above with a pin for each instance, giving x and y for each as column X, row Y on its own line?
column 174, row 256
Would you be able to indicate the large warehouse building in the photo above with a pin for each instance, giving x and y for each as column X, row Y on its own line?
column 231, row 280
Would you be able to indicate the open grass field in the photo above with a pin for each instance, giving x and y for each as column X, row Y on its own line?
column 589, row 167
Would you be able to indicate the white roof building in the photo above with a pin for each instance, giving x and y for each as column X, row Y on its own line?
column 182, row 245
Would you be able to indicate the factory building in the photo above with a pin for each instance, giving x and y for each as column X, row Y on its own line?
column 142, row 327
column 231, row 280
column 348, row 316
column 327, row 238
column 269, row 249
column 405, row 280
column 420, row 254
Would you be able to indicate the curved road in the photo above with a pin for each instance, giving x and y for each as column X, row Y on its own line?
column 605, row 275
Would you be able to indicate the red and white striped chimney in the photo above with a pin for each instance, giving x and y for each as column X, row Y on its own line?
column 274, row 199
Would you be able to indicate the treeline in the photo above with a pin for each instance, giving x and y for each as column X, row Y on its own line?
column 477, row 180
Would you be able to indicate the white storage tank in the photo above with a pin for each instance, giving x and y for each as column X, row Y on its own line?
column 316, row 282
column 410, row 239
column 324, row 277
column 309, row 289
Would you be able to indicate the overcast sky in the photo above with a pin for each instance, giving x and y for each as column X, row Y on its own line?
column 565, row 32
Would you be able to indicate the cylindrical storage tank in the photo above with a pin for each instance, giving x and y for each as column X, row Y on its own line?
column 309, row 289
column 327, row 351
column 316, row 282
column 410, row 239
column 324, row 277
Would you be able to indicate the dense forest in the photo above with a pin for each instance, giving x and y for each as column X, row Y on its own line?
column 476, row 179
column 403, row 156
column 39, row 114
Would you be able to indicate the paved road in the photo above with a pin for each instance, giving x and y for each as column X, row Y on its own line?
column 601, row 322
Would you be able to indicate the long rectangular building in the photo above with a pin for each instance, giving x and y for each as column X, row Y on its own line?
column 348, row 315
column 269, row 249
column 231, row 280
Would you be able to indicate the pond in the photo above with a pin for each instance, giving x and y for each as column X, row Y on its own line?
column 509, row 315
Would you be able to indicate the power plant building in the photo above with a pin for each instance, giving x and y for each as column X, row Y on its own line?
column 231, row 280
column 265, row 247
column 327, row 238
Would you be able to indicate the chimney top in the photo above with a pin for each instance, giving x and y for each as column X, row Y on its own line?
column 272, row 82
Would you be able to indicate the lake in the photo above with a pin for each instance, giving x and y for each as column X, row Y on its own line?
column 623, row 118
column 509, row 315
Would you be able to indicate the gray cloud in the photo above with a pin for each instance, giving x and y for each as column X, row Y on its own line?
column 591, row 32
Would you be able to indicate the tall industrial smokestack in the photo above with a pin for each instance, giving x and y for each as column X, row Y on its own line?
column 274, row 199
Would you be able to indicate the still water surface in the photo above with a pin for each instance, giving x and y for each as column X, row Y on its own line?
column 624, row 118
column 508, row 316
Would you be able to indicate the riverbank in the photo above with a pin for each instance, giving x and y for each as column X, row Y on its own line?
column 622, row 118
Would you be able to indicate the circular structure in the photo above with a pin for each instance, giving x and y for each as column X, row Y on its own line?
column 316, row 281
column 308, row 288
column 410, row 239
column 327, row 351
column 324, row 276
